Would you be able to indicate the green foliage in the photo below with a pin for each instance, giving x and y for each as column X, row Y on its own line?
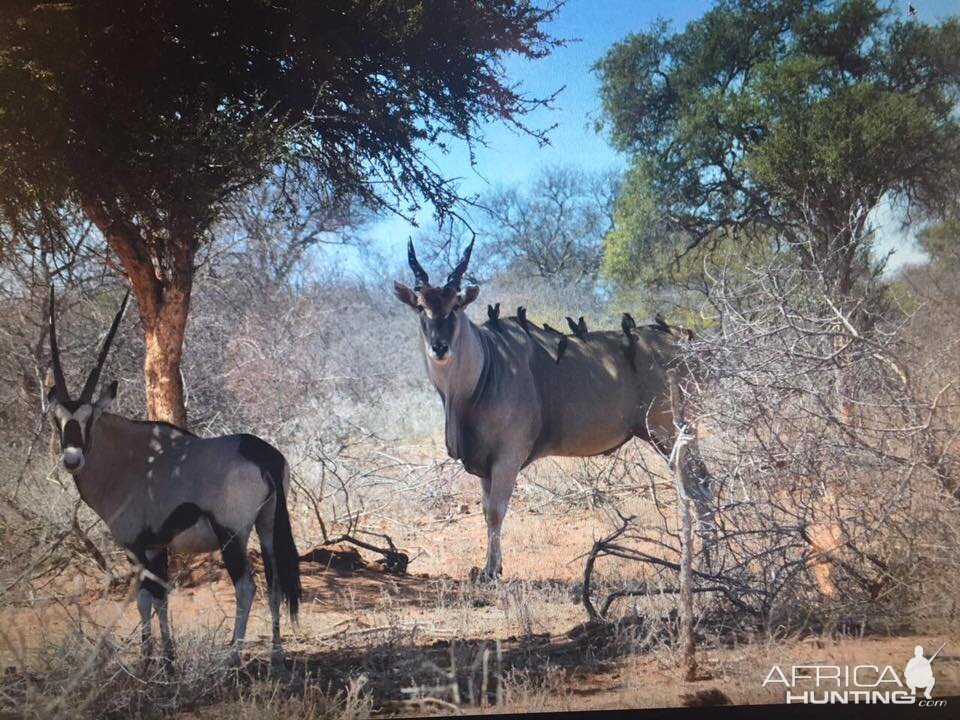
column 632, row 246
column 787, row 121
column 941, row 242
column 643, row 248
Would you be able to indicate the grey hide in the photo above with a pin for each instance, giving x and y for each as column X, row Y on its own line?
column 509, row 398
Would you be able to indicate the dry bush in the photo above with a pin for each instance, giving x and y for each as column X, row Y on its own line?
column 829, row 431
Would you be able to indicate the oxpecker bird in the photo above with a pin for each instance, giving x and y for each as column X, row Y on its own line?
column 561, row 343
column 522, row 318
column 578, row 328
column 628, row 325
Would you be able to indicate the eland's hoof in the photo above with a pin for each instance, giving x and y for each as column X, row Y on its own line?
column 169, row 658
column 278, row 665
column 482, row 577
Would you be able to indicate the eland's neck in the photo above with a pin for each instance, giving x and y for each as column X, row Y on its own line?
column 457, row 380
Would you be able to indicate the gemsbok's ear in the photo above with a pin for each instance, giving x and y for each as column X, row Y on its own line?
column 471, row 294
column 406, row 295
column 106, row 398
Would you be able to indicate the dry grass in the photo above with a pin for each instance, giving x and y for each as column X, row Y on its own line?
column 372, row 644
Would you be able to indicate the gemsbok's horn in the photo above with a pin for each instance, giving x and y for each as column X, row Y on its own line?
column 94, row 377
column 59, row 382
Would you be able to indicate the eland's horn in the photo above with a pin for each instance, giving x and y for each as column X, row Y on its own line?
column 454, row 278
column 94, row 376
column 59, row 382
column 418, row 272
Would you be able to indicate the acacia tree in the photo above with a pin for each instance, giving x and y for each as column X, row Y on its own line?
column 554, row 228
column 151, row 117
column 789, row 122
column 941, row 239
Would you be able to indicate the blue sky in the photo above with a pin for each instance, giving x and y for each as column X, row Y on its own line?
column 510, row 158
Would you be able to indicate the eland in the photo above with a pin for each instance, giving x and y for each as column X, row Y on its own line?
column 513, row 392
column 162, row 489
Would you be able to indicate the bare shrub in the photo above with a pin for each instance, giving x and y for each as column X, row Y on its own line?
column 832, row 455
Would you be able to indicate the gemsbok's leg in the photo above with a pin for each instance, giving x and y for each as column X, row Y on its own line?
column 265, row 522
column 497, row 491
column 233, row 547
column 161, row 604
column 145, row 606
column 152, row 594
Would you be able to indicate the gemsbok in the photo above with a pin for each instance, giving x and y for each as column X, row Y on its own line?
column 513, row 392
column 162, row 489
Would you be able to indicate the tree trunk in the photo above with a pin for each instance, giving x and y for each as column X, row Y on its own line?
column 160, row 271
column 163, row 336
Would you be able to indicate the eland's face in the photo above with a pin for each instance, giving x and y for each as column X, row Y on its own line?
column 438, row 323
column 440, row 318
column 438, row 307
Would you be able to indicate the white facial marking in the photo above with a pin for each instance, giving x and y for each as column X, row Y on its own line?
column 73, row 459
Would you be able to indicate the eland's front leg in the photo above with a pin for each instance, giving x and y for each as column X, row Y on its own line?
column 497, row 491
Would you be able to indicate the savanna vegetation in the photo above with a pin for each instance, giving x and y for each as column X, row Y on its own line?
column 230, row 168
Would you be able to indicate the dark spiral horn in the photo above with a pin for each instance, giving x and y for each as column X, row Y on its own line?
column 455, row 277
column 418, row 272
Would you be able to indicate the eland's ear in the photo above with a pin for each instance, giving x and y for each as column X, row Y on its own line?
column 405, row 295
column 106, row 399
column 471, row 294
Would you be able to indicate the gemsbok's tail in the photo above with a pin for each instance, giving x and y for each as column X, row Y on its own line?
column 285, row 551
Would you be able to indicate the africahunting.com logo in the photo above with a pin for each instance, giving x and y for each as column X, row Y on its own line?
column 859, row 684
